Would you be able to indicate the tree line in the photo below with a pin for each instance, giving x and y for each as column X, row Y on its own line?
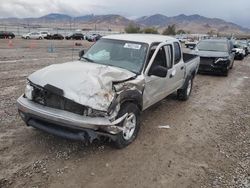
column 170, row 30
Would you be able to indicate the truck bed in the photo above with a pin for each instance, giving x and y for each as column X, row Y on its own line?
column 188, row 57
column 192, row 62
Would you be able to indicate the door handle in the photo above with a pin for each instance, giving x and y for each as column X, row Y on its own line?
column 182, row 68
column 172, row 74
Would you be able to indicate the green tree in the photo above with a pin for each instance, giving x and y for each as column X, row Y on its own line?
column 170, row 30
column 131, row 28
column 150, row 30
column 181, row 31
column 211, row 33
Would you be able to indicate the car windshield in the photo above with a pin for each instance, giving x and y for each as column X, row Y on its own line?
column 237, row 46
column 219, row 46
column 243, row 43
column 122, row 54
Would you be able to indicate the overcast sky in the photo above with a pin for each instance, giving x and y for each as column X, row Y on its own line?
column 237, row 11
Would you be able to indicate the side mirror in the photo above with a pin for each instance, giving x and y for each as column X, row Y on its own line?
column 81, row 53
column 159, row 71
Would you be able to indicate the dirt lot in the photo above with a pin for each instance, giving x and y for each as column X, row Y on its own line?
column 207, row 144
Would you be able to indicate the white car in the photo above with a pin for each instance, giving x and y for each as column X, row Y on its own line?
column 245, row 46
column 33, row 35
column 44, row 33
column 240, row 52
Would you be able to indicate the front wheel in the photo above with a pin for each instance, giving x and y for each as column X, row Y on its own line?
column 232, row 65
column 242, row 57
column 130, row 125
column 184, row 93
column 225, row 72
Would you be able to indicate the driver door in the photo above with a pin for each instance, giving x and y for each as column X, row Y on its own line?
column 157, row 88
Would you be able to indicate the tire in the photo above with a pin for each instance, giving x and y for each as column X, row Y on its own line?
column 184, row 93
column 126, row 137
column 27, row 37
column 40, row 38
column 225, row 72
column 232, row 65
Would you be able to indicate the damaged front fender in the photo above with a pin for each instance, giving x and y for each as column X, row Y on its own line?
column 129, row 91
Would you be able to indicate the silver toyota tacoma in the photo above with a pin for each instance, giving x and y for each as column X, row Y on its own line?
column 104, row 92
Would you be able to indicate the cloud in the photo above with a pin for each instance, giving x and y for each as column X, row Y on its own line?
column 236, row 11
column 32, row 8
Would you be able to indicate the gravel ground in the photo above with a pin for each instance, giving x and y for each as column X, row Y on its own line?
column 207, row 144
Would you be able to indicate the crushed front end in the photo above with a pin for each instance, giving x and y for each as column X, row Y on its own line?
column 213, row 64
column 46, row 108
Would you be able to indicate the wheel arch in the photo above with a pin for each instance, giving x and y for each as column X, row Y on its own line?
column 128, row 96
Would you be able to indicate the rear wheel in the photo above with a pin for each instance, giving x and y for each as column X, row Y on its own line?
column 130, row 125
column 184, row 93
column 27, row 37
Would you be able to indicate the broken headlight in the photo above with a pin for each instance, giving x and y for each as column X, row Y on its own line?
column 221, row 59
column 29, row 91
column 114, row 112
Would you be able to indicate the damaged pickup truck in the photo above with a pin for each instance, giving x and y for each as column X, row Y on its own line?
column 105, row 91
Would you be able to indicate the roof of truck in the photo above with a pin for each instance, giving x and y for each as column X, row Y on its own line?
column 143, row 38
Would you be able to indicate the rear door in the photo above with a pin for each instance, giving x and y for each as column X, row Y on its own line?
column 178, row 72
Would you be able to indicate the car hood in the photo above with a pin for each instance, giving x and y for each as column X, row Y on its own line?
column 85, row 83
column 211, row 53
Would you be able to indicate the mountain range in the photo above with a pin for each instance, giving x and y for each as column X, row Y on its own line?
column 190, row 23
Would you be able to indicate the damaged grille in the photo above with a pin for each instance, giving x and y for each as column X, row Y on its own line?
column 207, row 60
column 49, row 99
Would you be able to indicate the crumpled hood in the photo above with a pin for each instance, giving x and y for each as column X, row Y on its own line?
column 210, row 53
column 85, row 83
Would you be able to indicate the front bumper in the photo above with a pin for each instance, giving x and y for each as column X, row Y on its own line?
column 213, row 67
column 239, row 55
column 32, row 112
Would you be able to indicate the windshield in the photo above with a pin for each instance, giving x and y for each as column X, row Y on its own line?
column 237, row 46
column 219, row 46
column 123, row 54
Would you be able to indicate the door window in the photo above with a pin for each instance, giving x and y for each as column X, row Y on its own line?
column 160, row 58
column 177, row 53
column 164, row 56
column 169, row 56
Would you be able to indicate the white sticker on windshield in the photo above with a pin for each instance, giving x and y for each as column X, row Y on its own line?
column 132, row 46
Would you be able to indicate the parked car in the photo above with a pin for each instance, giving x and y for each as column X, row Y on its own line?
column 93, row 37
column 44, row 33
column 245, row 45
column 54, row 37
column 191, row 44
column 216, row 55
column 33, row 35
column 6, row 35
column 105, row 91
column 75, row 36
column 240, row 51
